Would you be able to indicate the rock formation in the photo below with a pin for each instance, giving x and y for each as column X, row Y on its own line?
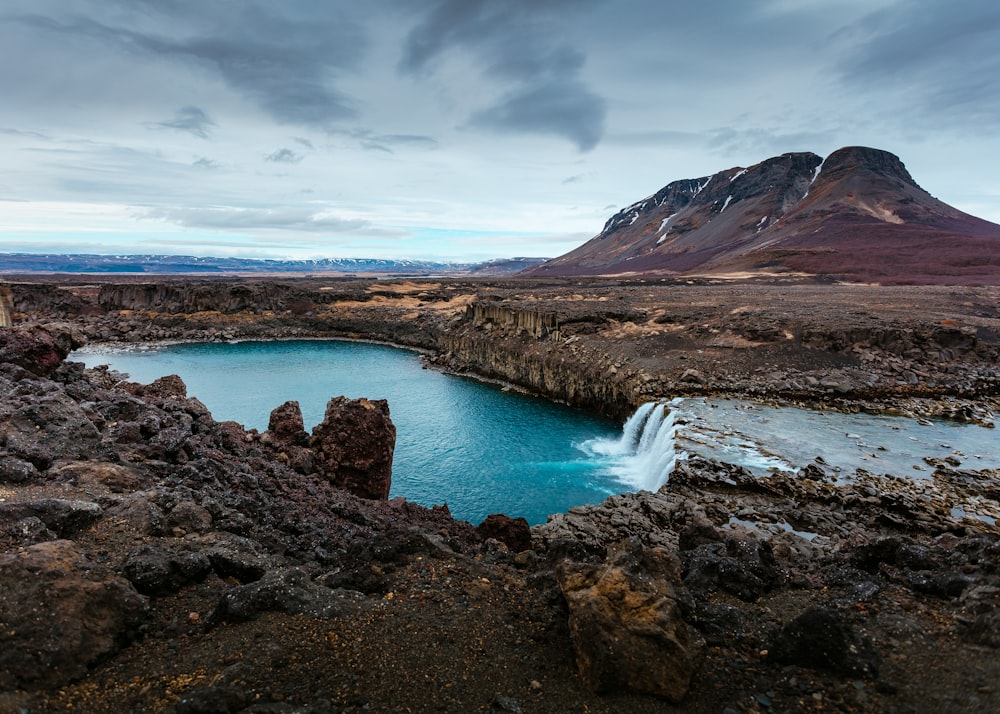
column 627, row 623
column 353, row 446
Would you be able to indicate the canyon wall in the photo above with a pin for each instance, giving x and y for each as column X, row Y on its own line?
column 5, row 306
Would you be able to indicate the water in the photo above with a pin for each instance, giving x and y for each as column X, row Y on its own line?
column 482, row 450
column 471, row 445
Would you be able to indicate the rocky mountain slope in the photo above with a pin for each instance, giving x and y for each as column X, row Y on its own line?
column 857, row 215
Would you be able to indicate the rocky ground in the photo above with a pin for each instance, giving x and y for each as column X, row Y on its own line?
column 156, row 560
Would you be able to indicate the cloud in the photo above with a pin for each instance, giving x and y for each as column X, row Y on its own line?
column 248, row 219
column 372, row 141
column 190, row 119
column 283, row 58
column 206, row 163
column 568, row 110
column 512, row 43
column 283, row 156
column 942, row 63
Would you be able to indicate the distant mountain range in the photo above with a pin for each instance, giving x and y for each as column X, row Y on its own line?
column 857, row 215
column 178, row 264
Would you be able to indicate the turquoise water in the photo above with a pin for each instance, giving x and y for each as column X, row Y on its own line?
column 471, row 445
column 482, row 450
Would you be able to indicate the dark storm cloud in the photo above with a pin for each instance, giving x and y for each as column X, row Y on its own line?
column 565, row 109
column 284, row 57
column 944, row 62
column 513, row 41
column 190, row 119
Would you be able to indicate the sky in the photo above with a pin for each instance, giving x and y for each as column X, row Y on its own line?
column 457, row 129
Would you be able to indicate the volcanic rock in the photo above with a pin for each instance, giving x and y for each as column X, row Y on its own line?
column 627, row 623
column 512, row 532
column 353, row 446
column 61, row 613
column 290, row 591
column 38, row 349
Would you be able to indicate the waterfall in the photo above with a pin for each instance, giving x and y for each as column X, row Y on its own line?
column 645, row 454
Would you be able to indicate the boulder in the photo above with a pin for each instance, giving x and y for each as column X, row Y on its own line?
column 61, row 613
column 285, row 426
column 159, row 570
column 353, row 446
column 63, row 516
column 290, row 591
column 745, row 567
column 512, row 532
column 38, row 349
column 627, row 624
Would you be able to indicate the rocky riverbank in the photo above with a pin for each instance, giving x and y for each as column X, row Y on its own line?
column 156, row 560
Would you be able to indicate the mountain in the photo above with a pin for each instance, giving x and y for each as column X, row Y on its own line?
column 187, row 265
column 857, row 215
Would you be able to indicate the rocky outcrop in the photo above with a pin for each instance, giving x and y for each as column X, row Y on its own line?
column 353, row 446
column 5, row 306
column 626, row 619
column 509, row 321
column 38, row 349
column 61, row 613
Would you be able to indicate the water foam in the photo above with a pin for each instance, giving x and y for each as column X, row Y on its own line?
column 645, row 453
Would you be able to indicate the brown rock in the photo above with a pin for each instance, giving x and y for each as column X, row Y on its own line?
column 285, row 426
column 627, row 626
column 60, row 613
column 37, row 349
column 353, row 446
column 512, row 532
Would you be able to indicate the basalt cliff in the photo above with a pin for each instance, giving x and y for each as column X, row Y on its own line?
column 154, row 559
column 857, row 215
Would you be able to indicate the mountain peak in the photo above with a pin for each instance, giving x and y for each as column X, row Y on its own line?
column 858, row 214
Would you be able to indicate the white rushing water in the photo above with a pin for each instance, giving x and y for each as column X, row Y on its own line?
column 646, row 452
column 766, row 438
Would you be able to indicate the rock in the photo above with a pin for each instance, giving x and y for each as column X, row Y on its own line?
column 236, row 557
column 507, row 704
column 353, row 446
column 40, row 350
column 745, row 567
column 116, row 478
column 985, row 629
column 285, row 426
column 287, row 434
column 290, row 591
column 62, row 516
column 61, row 613
column 155, row 570
column 214, row 699
column 189, row 517
column 693, row 376
column 627, row 624
column 15, row 470
column 821, row 638
column 512, row 532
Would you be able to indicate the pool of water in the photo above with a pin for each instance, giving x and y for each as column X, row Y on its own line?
column 471, row 445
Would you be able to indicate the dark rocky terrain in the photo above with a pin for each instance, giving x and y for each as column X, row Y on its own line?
column 154, row 559
column 856, row 215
